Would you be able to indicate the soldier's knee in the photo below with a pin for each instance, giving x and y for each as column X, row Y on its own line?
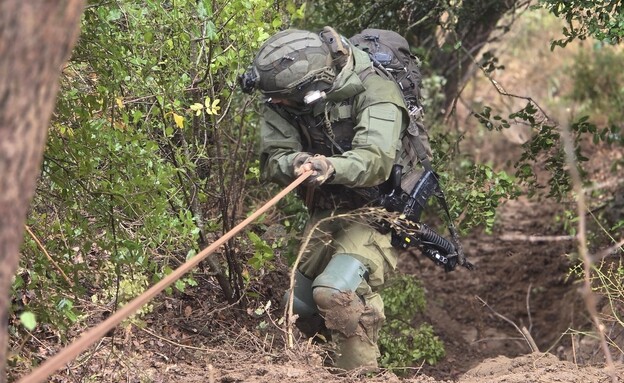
column 334, row 294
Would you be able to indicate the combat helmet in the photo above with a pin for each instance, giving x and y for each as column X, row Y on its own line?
column 291, row 64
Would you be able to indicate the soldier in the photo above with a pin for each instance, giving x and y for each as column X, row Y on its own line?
column 328, row 111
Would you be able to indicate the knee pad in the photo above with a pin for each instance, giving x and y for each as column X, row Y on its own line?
column 343, row 273
column 334, row 293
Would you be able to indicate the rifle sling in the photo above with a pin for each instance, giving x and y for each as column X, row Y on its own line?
column 417, row 151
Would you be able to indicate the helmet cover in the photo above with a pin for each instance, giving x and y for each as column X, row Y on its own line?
column 292, row 63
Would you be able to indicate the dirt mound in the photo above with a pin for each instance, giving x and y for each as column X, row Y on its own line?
column 517, row 284
column 534, row 368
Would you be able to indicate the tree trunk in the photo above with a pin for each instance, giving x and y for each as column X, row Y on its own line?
column 477, row 19
column 36, row 37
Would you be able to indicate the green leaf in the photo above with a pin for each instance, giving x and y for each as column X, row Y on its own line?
column 211, row 31
column 277, row 22
column 28, row 320
column 148, row 37
column 114, row 14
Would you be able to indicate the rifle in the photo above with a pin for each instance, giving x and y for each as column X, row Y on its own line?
column 408, row 231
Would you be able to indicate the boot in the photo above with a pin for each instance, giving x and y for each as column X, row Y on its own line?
column 356, row 352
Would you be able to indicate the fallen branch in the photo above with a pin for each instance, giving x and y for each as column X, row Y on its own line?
column 537, row 238
column 43, row 249
column 524, row 332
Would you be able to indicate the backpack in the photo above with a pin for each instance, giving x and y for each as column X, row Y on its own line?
column 392, row 58
column 390, row 53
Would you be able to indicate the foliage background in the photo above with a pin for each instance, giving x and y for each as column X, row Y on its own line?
column 150, row 153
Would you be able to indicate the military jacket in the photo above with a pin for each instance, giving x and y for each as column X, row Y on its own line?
column 357, row 126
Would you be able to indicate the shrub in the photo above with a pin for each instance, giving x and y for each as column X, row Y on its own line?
column 401, row 344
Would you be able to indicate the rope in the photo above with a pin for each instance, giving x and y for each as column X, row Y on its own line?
column 88, row 338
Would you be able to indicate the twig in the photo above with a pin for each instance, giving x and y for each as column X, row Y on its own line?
column 178, row 344
column 211, row 377
column 603, row 185
column 56, row 266
column 502, row 338
column 529, row 338
column 573, row 349
column 219, row 309
column 87, row 358
column 536, row 238
column 528, row 307
column 588, row 293
column 525, row 334
column 290, row 318
column 606, row 252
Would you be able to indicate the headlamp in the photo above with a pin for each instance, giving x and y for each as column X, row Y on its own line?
column 313, row 96
column 248, row 81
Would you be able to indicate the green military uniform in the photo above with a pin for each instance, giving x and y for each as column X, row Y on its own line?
column 357, row 126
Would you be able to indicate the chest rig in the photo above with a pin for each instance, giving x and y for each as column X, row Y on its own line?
column 327, row 129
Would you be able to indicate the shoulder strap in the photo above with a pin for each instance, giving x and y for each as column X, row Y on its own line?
column 415, row 148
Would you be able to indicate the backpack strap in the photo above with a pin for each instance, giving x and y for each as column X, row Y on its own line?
column 417, row 151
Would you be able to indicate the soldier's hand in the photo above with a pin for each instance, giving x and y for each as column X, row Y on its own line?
column 321, row 168
column 299, row 160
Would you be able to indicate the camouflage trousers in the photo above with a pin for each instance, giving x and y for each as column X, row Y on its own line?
column 356, row 348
